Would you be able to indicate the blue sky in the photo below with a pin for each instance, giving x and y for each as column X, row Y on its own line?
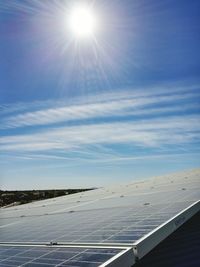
column 121, row 106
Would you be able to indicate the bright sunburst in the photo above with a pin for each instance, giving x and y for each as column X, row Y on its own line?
column 82, row 21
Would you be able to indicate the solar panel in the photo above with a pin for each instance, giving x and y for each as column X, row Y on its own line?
column 105, row 225
column 124, row 214
column 57, row 256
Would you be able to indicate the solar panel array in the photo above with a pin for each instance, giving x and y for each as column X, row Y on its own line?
column 116, row 215
column 32, row 256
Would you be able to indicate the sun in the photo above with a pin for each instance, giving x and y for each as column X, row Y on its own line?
column 82, row 21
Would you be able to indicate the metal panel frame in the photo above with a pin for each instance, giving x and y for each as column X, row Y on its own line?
column 66, row 244
column 152, row 239
column 124, row 258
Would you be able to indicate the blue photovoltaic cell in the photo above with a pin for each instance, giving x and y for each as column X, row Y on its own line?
column 51, row 256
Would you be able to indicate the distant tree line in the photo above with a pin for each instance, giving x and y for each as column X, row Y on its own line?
column 22, row 197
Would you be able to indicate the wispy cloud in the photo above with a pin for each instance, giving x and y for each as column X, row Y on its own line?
column 141, row 119
column 155, row 132
column 111, row 105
